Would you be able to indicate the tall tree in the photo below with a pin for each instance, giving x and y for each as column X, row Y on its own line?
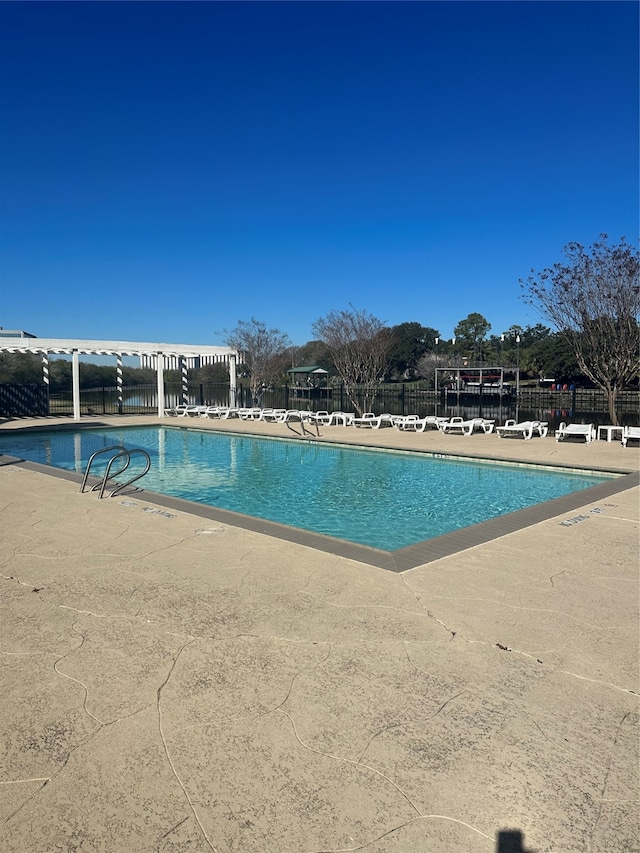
column 217, row 373
column 554, row 358
column 313, row 353
column 593, row 299
column 470, row 334
column 359, row 344
column 409, row 342
column 19, row 367
column 262, row 350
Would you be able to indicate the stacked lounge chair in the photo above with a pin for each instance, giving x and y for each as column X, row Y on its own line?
column 586, row 431
column 524, row 429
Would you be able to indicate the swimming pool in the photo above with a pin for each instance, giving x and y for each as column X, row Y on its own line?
column 382, row 499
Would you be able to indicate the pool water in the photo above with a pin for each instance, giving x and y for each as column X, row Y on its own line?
column 382, row 499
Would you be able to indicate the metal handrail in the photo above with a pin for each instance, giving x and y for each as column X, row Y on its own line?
column 118, row 447
column 107, row 474
column 122, row 454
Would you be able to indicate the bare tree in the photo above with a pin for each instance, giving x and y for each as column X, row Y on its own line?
column 359, row 345
column 432, row 361
column 261, row 350
column 593, row 299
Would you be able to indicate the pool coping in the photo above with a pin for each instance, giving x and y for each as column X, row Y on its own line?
column 399, row 560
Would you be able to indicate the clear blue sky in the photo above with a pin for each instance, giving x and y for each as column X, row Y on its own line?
column 168, row 169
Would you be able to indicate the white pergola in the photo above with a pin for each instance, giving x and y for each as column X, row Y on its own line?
column 75, row 348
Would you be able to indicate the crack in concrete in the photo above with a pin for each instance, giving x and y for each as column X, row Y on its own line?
column 519, row 651
column 532, row 720
column 166, row 746
column 302, row 671
column 351, row 761
column 311, row 574
column 113, row 538
column 47, row 780
column 33, row 794
column 507, row 605
column 404, row 723
column 268, row 711
column 453, row 633
column 97, row 615
column 359, row 606
column 244, row 583
column 582, row 759
column 597, row 681
column 406, row 823
column 78, row 746
column 101, row 723
column 173, row 829
column 605, row 782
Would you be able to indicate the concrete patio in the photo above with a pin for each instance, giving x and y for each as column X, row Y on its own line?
column 172, row 683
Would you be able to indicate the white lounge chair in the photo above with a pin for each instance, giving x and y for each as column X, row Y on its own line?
column 291, row 415
column 273, row 415
column 363, row 420
column 630, row 432
column 405, row 421
column 586, row 431
column 176, row 411
column 459, row 425
column 415, row 424
column 250, row 413
column 341, row 418
column 321, row 418
column 221, row 412
column 372, row 421
column 302, row 417
column 525, row 429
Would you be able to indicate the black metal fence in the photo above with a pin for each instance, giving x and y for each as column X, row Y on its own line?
column 586, row 405
column 19, row 401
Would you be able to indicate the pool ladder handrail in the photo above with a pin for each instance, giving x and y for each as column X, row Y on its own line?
column 118, row 447
column 123, row 454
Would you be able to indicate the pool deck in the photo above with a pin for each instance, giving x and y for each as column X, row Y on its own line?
column 172, row 682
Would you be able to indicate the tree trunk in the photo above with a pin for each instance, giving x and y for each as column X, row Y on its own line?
column 355, row 402
column 612, row 396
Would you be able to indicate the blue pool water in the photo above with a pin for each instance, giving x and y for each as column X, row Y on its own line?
column 378, row 498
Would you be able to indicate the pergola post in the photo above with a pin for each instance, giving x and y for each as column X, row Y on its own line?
column 45, row 376
column 185, row 381
column 119, row 380
column 75, row 383
column 233, row 389
column 160, row 368
column 45, row 369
